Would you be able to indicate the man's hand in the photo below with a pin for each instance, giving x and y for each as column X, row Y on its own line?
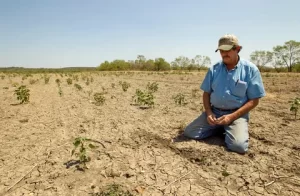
column 224, row 120
column 211, row 119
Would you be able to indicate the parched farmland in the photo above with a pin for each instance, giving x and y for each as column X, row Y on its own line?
column 136, row 135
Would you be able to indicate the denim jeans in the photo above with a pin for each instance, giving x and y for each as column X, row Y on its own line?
column 236, row 133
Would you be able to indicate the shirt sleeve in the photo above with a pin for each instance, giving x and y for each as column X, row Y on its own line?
column 255, row 86
column 206, row 84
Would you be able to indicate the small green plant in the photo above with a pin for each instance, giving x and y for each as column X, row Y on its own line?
column 81, row 145
column 113, row 85
column 225, row 173
column 23, row 94
column 57, row 81
column 46, row 79
column 99, row 99
column 295, row 104
column 69, row 81
column 87, row 81
column 180, row 99
column 15, row 84
column 152, row 87
column 113, row 190
column 32, row 81
column 194, row 92
column 78, row 87
column 143, row 98
column 60, row 91
column 125, row 85
column 76, row 78
column 2, row 77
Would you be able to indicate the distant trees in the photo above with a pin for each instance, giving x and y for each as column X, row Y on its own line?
column 261, row 58
column 286, row 55
column 159, row 64
column 281, row 58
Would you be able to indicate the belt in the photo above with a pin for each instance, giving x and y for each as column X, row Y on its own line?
column 225, row 110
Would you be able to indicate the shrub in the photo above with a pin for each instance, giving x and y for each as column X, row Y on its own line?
column 78, row 86
column 152, row 87
column 99, row 98
column 23, row 94
column 69, row 81
column 81, row 152
column 46, row 79
column 143, row 98
column 57, row 81
column 180, row 99
column 32, row 81
column 295, row 104
column 125, row 85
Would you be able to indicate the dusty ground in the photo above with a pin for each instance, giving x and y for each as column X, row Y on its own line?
column 136, row 151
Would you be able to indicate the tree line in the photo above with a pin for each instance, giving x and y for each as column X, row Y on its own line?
column 158, row 64
column 284, row 57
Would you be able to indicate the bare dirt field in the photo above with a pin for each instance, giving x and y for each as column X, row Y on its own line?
column 140, row 151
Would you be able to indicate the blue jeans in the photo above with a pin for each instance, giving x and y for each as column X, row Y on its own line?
column 236, row 133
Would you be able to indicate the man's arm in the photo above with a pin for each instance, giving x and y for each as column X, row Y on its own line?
column 211, row 119
column 227, row 119
column 206, row 103
column 249, row 105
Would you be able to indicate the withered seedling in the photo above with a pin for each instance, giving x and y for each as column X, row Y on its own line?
column 180, row 99
column 81, row 145
column 295, row 104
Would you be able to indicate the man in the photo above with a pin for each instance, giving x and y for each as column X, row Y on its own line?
column 232, row 88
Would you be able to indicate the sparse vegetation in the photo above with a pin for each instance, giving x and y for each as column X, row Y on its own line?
column 81, row 145
column 143, row 98
column 152, row 87
column 46, row 79
column 295, row 104
column 78, row 87
column 125, row 85
column 113, row 190
column 99, row 99
column 180, row 99
column 69, row 81
column 57, row 81
column 23, row 94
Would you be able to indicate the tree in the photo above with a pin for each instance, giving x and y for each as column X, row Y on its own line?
column 181, row 62
column 261, row 58
column 201, row 61
column 287, row 55
column 104, row 66
column 140, row 62
column 149, row 65
column 161, row 64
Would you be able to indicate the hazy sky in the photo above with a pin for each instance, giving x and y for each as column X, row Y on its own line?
column 61, row 33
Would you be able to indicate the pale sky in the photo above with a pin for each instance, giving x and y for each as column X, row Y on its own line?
column 64, row 33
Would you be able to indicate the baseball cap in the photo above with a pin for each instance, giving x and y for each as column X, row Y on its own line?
column 227, row 41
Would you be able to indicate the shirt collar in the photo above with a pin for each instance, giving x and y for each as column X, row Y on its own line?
column 237, row 65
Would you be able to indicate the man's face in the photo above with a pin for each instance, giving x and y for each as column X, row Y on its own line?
column 230, row 56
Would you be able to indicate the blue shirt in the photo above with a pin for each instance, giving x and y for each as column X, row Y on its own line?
column 232, row 89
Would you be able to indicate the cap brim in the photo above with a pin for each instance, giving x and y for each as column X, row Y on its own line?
column 224, row 47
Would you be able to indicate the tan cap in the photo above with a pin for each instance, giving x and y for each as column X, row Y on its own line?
column 227, row 41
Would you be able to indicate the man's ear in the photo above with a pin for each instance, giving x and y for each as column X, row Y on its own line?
column 239, row 48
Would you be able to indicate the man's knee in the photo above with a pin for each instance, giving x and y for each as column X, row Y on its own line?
column 190, row 132
column 238, row 146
